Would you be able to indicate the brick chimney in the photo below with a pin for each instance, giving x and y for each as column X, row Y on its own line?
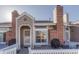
column 58, row 32
column 14, row 15
column 60, row 24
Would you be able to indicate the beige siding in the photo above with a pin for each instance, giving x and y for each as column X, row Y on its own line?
column 74, row 34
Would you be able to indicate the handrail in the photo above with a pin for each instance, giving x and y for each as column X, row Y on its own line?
column 8, row 49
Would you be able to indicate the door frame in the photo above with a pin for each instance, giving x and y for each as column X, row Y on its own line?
column 21, row 43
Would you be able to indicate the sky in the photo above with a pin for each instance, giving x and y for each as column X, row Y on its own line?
column 40, row 12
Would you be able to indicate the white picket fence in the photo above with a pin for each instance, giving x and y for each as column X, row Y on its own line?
column 9, row 50
column 53, row 51
column 12, row 50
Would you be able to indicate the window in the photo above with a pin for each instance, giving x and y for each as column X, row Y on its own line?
column 41, row 36
column 27, row 33
column 1, row 36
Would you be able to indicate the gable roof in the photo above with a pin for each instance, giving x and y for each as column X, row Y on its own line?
column 25, row 14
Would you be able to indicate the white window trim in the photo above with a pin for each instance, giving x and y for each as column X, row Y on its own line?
column 41, row 29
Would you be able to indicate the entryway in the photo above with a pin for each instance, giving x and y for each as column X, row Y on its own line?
column 25, row 36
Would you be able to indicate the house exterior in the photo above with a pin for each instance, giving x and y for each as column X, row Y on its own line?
column 31, row 32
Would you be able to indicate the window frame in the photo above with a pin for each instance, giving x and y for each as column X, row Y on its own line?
column 1, row 36
column 42, row 43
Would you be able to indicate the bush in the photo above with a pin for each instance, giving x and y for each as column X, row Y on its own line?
column 11, row 42
column 55, row 43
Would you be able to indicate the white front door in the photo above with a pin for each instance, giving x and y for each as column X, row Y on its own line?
column 26, row 35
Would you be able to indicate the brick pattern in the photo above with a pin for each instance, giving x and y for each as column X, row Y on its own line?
column 52, row 34
column 60, row 27
column 8, row 36
column 14, row 15
column 58, row 33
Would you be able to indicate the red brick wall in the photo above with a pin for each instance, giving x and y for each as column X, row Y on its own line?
column 52, row 34
column 8, row 36
column 58, row 33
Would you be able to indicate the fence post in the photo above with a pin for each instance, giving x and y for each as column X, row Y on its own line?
column 29, row 48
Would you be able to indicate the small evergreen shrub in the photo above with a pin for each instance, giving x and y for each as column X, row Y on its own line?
column 55, row 43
